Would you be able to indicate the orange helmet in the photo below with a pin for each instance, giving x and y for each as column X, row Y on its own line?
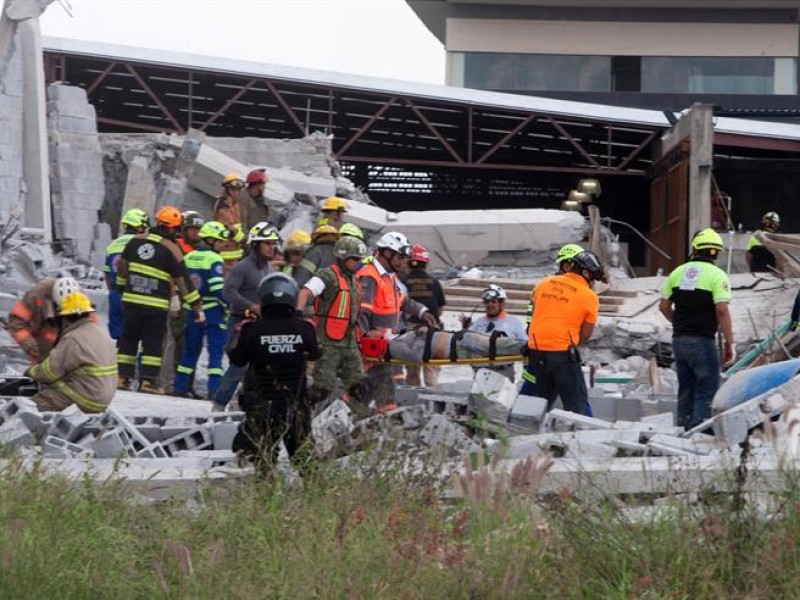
column 169, row 216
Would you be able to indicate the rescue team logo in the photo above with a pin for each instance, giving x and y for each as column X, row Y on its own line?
column 691, row 276
column 281, row 344
column 218, row 269
column 197, row 281
column 146, row 251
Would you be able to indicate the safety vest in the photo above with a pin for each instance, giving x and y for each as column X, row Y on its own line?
column 205, row 271
column 113, row 252
column 340, row 314
column 385, row 306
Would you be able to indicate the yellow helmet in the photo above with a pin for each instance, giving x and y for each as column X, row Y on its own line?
column 324, row 230
column 297, row 240
column 334, row 203
column 707, row 239
column 75, row 303
column 232, row 179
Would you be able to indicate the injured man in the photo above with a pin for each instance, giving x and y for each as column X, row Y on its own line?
column 424, row 344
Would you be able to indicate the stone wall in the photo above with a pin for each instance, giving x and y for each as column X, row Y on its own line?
column 11, row 183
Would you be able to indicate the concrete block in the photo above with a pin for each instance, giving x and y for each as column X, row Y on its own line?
column 441, row 433
column 115, row 443
column 628, row 409
column 198, row 438
column 69, row 424
column 452, row 406
column 663, row 419
column 115, row 419
column 528, row 410
column 732, row 427
column 675, row 446
column 331, row 426
column 492, row 395
column 174, row 426
column 87, row 441
column 222, row 434
column 62, row 93
column 589, row 451
column 55, row 447
column 214, row 458
column 154, row 450
column 14, row 433
column 562, row 420
column 406, row 395
column 413, row 417
column 18, row 404
column 149, row 427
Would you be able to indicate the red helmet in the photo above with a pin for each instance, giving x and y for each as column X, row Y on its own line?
column 256, row 177
column 419, row 253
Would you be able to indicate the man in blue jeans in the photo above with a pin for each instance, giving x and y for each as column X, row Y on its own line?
column 695, row 300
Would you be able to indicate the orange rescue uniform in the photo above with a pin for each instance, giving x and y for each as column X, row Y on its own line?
column 561, row 305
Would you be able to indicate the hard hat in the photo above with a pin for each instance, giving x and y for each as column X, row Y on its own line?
column 707, row 239
column 419, row 253
column 396, row 241
column 323, row 230
column 255, row 177
column 297, row 240
column 63, row 287
column 215, row 230
column 334, row 203
column 771, row 221
column 192, row 218
column 233, row 179
column 351, row 230
column 588, row 260
column 75, row 303
column 350, row 247
column 263, row 232
column 169, row 216
column 136, row 217
column 278, row 289
column 493, row 292
column 568, row 252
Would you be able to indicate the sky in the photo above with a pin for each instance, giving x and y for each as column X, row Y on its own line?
column 382, row 38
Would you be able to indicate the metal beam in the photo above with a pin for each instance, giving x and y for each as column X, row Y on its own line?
column 370, row 122
column 100, row 78
column 155, row 99
column 245, row 88
column 574, row 142
column 504, row 140
column 433, row 130
column 759, row 143
column 131, row 124
column 285, row 106
column 635, row 152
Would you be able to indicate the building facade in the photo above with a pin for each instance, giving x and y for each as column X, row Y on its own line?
column 739, row 55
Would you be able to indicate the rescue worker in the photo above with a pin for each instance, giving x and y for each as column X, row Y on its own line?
column 383, row 300
column 426, row 289
column 333, row 211
column 759, row 259
column 293, row 251
column 189, row 238
column 352, row 230
column 336, row 302
column 251, row 200
column 205, row 270
column 274, row 350
column 319, row 254
column 227, row 211
column 695, row 300
column 564, row 264
column 495, row 318
column 241, row 292
column 82, row 367
column 33, row 322
column 565, row 311
column 133, row 221
column 150, row 266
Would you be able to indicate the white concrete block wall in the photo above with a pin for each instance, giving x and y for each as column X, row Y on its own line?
column 76, row 170
column 11, row 183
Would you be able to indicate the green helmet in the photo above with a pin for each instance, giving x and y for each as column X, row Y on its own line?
column 214, row 230
column 136, row 217
column 707, row 239
column 568, row 252
column 352, row 231
column 349, row 247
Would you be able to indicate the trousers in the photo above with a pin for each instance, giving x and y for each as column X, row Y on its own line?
column 553, row 374
column 697, row 365
column 214, row 331
column 233, row 375
column 145, row 325
column 114, row 314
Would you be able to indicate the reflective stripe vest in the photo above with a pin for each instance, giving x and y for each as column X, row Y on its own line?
column 340, row 314
column 113, row 252
column 385, row 306
column 205, row 270
column 32, row 321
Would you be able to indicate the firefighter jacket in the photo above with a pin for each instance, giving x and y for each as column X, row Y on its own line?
column 336, row 306
column 227, row 211
column 205, row 271
column 113, row 253
column 383, row 300
column 425, row 289
column 318, row 256
column 150, row 267
column 82, row 366
column 32, row 321
column 251, row 210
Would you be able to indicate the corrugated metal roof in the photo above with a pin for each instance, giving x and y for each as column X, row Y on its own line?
column 464, row 96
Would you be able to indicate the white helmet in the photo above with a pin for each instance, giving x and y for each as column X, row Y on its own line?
column 494, row 292
column 62, row 287
column 395, row 241
column 263, row 232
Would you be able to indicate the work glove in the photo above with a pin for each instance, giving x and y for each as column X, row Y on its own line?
column 200, row 316
column 466, row 321
column 728, row 355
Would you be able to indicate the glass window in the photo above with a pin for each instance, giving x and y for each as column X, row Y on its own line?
column 537, row 72
column 734, row 75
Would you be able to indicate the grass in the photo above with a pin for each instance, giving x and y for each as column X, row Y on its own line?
column 384, row 535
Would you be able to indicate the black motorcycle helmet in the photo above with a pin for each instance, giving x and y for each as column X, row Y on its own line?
column 278, row 293
column 589, row 262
